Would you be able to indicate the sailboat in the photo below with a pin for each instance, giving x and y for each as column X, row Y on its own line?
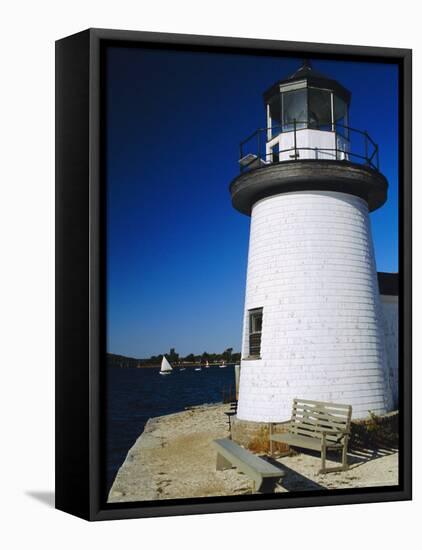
column 166, row 368
column 223, row 365
column 207, row 365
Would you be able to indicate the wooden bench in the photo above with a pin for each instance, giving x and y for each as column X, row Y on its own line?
column 263, row 474
column 319, row 426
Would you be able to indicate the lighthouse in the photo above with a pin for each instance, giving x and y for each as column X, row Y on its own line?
column 313, row 318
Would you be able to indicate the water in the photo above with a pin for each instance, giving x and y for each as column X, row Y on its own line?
column 135, row 395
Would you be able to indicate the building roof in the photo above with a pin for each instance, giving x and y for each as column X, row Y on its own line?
column 388, row 283
column 313, row 78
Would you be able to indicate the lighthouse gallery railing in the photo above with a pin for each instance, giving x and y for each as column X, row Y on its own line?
column 350, row 144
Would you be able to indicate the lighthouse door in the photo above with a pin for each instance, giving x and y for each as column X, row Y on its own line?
column 275, row 153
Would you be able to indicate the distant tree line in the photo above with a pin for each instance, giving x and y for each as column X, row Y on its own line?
column 122, row 361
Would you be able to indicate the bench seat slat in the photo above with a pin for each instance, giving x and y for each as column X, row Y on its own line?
column 317, row 428
column 313, row 443
column 244, row 460
column 301, row 430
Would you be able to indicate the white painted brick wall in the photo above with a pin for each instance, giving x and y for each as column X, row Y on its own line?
column 390, row 306
column 311, row 267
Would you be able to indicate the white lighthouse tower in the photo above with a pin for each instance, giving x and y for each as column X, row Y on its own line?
column 313, row 319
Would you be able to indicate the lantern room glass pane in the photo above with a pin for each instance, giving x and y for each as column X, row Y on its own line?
column 340, row 116
column 275, row 116
column 295, row 107
column 319, row 109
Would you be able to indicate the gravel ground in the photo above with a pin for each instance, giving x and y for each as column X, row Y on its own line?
column 174, row 458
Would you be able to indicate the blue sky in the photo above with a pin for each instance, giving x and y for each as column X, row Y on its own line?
column 176, row 249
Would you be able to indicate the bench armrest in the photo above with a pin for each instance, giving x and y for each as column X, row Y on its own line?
column 341, row 435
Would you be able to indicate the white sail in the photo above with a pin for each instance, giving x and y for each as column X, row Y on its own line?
column 165, row 365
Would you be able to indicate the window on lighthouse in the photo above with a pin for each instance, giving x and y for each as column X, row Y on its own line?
column 255, row 331
column 340, row 116
column 295, row 108
column 274, row 117
column 320, row 109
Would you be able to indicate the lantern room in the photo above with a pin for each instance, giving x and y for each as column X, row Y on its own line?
column 307, row 118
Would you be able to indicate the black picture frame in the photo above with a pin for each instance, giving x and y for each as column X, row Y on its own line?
column 80, row 273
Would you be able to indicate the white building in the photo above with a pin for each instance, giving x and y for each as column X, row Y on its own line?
column 314, row 323
column 389, row 290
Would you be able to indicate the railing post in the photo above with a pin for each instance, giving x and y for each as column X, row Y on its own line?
column 259, row 147
column 366, row 147
column 295, row 142
column 335, row 138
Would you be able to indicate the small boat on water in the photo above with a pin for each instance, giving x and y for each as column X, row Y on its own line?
column 198, row 368
column 182, row 368
column 166, row 368
column 223, row 365
column 207, row 365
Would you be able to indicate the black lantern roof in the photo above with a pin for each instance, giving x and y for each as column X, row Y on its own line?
column 313, row 78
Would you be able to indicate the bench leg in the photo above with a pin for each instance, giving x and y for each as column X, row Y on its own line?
column 323, row 458
column 222, row 463
column 266, row 484
column 344, row 452
column 344, row 466
column 271, row 441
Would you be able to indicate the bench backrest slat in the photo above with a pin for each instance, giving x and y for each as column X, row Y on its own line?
column 312, row 418
column 322, row 403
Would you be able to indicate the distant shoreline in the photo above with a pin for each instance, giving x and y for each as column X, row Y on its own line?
column 189, row 361
column 175, row 366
